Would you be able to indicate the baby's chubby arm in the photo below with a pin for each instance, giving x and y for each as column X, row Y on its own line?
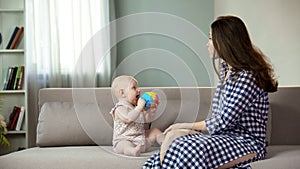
column 126, row 116
column 150, row 114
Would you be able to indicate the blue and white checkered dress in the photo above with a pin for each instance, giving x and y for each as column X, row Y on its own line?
column 237, row 127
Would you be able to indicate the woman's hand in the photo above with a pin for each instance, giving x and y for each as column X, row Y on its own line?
column 195, row 127
column 174, row 126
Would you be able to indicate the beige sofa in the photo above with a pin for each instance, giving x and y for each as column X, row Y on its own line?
column 73, row 122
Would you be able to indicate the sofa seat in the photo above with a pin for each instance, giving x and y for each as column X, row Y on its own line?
column 91, row 157
column 280, row 157
column 75, row 157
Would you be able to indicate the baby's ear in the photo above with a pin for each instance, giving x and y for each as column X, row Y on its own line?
column 121, row 92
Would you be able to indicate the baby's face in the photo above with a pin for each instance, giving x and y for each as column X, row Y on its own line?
column 133, row 92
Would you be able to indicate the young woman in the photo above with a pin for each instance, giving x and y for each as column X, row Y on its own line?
column 237, row 127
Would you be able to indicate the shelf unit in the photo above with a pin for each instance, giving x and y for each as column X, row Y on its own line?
column 12, row 14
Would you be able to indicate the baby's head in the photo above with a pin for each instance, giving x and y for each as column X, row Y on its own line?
column 120, row 84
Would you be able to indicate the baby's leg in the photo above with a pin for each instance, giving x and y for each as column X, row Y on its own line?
column 170, row 137
column 153, row 135
column 128, row 148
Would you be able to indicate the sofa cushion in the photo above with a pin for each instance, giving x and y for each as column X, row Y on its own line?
column 58, row 125
column 285, row 116
column 269, row 126
column 72, row 157
column 280, row 157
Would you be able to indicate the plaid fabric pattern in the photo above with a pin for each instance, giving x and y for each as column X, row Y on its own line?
column 237, row 127
column 203, row 151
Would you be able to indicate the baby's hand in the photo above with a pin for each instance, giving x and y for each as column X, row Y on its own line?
column 152, row 112
column 153, row 106
column 141, row 103
column 150, row 115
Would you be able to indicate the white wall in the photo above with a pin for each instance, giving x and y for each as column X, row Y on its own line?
column 274, row 26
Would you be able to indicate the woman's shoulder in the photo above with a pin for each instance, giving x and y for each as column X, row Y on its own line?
column 247, row 74
column 247, row 79
column 243, row 78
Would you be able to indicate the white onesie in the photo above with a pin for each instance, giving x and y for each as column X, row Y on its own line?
column 133, row 131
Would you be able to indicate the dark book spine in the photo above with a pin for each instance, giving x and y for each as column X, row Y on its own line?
column 5, row 82
column 11, row 116
column 12, row 37
column 15, row 119
column 0, row 38
column 12, row 78
column 11, row 71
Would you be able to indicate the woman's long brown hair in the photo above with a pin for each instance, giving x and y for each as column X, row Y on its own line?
column 232, row 43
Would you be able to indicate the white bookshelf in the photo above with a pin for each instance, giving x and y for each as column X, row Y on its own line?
column 12, row 14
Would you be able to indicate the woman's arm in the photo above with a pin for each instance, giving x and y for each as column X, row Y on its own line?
column 238, row 95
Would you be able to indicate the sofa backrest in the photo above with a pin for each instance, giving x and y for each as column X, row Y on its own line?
column 71, row 116
column 285, row 122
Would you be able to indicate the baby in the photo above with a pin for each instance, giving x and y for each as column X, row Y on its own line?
column 130, row 137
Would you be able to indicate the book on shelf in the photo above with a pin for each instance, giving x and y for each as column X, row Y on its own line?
column 15, row 119
column 17, row 78
column 14, row 78
column 5, row 82
column 20, row 119
column 17, row 38
column 12, row 117
column 9, row 77
column 12, row 37
column 20, row 80
column 0, row 38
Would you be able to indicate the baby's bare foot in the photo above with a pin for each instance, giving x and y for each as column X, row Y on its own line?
column 138, row 149
column 134, row 151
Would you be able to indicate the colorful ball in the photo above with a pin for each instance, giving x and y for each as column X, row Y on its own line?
column 151, row 99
